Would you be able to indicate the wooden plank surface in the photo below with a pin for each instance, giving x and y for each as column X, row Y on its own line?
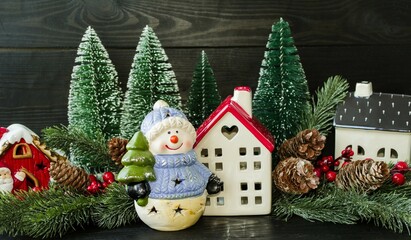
column 187, row 23
column 35, row 84
column 253, row 227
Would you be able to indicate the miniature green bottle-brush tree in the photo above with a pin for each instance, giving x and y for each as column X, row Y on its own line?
column 94, row 106
column 151, row 78
column 282, row 94
column 203, row 97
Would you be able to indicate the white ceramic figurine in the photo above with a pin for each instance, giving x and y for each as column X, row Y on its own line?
column 176, row 199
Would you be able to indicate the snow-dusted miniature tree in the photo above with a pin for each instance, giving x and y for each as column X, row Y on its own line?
column 203, row 97
column 282, row 95
column 151, row 78
column 94, row 101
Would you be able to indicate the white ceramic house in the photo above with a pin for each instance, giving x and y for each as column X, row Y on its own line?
column 376, row 125
column 237, row 148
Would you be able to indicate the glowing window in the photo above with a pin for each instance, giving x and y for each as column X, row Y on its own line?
column 22, row 150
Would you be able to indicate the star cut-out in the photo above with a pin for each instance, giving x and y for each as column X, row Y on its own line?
column 179, row 210
column 153, row 210
column 177, row 181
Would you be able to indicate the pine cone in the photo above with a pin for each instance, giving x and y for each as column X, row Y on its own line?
column 307, row 144
column 117, row 148
column 295, row 176
column 62, row 171
column 66, row 174
column 363, row 175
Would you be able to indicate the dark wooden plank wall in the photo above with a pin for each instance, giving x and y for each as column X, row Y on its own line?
column 361, row 40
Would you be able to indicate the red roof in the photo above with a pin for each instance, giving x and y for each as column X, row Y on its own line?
column 252, row 124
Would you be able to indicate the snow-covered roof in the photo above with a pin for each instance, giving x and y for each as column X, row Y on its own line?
column 252, row 124
column 380, row 111
column 15, row 133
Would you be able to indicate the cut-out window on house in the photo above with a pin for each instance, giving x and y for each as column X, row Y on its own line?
column 204, row 152
column 258, row 200
column 360, row 151
column 220, row 201
column 257, row 165
column 243, row 165
column 244, row 200
column 243, row 151
column 22, row 150
column 257, row 186
column 205, row 164
column 244, row 186
column 218, row 152
column 222, row 187
column 257, row 151
column 207, row 203
column 381, row 152
column 219, row 166
column 394, row 153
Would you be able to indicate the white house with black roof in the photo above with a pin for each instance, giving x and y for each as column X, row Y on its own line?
column 375, row 125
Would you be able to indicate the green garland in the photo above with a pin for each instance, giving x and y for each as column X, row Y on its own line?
column 389, row 206
column 55, row 212
column 63, row 138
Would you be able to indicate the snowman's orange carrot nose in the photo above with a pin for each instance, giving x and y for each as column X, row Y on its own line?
column 174, row 139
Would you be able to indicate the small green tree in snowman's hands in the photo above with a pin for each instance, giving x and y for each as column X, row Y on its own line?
column 138, row 169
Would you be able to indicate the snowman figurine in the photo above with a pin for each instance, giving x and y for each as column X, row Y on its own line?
column 176, row 199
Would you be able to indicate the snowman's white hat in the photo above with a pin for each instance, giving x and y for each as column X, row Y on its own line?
column 163, row 118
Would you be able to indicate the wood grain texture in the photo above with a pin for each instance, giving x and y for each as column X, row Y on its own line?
column 255, row 227
column 35, row 84
column 188, row 23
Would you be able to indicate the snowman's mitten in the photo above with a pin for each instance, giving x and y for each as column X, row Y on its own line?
column 214, row 184
column 138, row 190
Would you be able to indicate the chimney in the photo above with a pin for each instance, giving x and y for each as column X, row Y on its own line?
column 243, row 96
column 363, row 89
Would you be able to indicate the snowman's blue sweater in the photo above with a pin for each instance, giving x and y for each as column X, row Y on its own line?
column 178, row 176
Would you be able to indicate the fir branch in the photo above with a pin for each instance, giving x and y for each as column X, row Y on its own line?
column 94, row 149
column 388, row 207
column 55, row 212
column 327, row 206
column 115, row 208
column 12, row 211
column 323, row 110
column 389, row 210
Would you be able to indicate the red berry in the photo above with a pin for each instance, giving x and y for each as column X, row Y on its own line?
column 330, row 176
column 105, row 184
column 351, row 153
column 317, row 172
column 92, row 178
column 36, row 189
column 401, row 165
column 92, row 189
column 337, row 163
column 398, row 179
column 343, row 152
column 94, row 183
column 345, row 163
column 108, row 176
column 325, row 168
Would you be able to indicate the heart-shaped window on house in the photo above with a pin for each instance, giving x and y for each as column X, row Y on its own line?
column 229, row 132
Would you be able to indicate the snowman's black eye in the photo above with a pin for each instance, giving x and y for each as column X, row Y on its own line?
column 169, row 132
column 168, row 115
column 176, row 131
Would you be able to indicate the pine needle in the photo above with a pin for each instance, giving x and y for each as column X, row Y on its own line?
column 57, row 213
column 115, row 208
column 94, row 149
column 389, row 209
column 323, row 110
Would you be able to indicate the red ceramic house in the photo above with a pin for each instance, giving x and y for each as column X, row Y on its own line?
column 237, row 148
column 19, row 151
